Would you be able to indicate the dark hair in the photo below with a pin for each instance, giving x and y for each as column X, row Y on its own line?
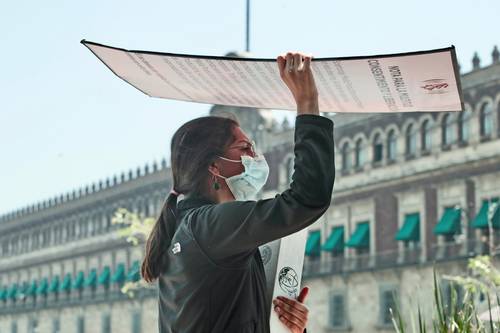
column 194, row 146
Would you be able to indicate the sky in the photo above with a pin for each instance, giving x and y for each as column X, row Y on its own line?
column 66, row 121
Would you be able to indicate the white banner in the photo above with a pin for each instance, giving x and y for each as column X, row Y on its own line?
column 408, row 82
column 283, row 262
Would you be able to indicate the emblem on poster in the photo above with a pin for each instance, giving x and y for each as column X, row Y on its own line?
column 266, row 254
column 435, row 86
column 288, row 281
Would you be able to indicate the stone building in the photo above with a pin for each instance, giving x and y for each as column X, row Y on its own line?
column 412, row 190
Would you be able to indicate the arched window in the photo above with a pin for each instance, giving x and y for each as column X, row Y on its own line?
column 391, row 145
column 447, row 130
column 498, row 118
column 359, row 154
column 378, row 149
column 426, row 135
column 486, row 119
column 463, row 124
column 346, row 157
column 411, row 141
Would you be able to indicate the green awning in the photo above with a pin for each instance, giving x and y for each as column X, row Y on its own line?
column 449, row 223
column 481, row 219
column 134, row 273
column 410, row 231
column 105, row 275
column 91, row 280
column 313, row 244
column 23, row 289
column 79, row 280
column 335, row 242
column 119, row 275
column 54, row 284
column 3, row 293
column 42, row 288
column 12, row 291
column 361, row 236
column 66, row 284
column 32, row 288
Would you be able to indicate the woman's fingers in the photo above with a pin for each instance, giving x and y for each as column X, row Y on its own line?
column 303, row 294
column 281, row 65
column 289, row 62
column 307, row 63
column 288, row 314
column 291, row 322
column 293, row 306
column 297, row 62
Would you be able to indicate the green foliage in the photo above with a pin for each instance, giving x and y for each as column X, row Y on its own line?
column 133, row 227
column 134, row 230
column 460, row 315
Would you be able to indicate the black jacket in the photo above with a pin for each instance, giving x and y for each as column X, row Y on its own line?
column 215, row 281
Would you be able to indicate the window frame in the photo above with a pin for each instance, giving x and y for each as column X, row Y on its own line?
column 345, row 325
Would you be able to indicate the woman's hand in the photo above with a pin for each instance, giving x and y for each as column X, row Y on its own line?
column 292, row 312
column 295, row 71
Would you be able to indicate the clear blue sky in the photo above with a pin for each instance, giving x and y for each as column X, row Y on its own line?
column 66, row 121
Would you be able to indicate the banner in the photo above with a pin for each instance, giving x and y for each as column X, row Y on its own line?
column 407, row 82
column 283, row 261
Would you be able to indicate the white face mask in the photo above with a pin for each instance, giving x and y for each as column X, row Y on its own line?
column 247, row 184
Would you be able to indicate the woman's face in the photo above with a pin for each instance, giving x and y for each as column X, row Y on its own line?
column 242, row 145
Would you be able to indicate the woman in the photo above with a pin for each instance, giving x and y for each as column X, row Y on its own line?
column 204, row 250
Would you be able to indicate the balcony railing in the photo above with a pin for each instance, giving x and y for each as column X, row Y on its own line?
column 71, row 298
column 392, row 259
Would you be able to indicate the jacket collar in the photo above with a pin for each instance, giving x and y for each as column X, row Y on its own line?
column 193, row 201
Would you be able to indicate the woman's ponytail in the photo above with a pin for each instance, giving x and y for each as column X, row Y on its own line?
column 156, row 257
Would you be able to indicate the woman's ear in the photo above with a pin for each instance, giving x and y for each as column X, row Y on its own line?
column 214, row 169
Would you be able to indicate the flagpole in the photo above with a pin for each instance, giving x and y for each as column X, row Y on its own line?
column 248, row 26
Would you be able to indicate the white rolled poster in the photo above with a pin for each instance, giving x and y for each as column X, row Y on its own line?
column 283, row 262
column 405, row 82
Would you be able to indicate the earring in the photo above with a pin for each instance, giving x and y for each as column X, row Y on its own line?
column 216, row 184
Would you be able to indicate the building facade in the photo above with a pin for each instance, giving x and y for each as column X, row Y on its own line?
column 413, row 191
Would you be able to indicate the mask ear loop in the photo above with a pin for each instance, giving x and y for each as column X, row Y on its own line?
column 227, row 159
column 215, row 183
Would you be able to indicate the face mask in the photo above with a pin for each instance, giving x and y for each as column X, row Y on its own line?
column 248, row 183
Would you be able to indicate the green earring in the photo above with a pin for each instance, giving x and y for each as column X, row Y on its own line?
column 216, row 185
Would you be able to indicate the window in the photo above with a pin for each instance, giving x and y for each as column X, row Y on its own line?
column 391, row 145
column 106, row 323
column 80, row 324
column 5, row 247
column 378, row 149
column 359, row 154
column 463, row 122
column 447, row 130
column 33, row 326
column 498, row 118
column 486, row 121
column 346, row 157
column 426, row 135
column 337, row 310
column 56, row 325
column 136, row 322
column 388, row 302
column 411, row 141
column 108, row 222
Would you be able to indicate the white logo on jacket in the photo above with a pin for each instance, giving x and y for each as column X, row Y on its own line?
column 177, row 248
